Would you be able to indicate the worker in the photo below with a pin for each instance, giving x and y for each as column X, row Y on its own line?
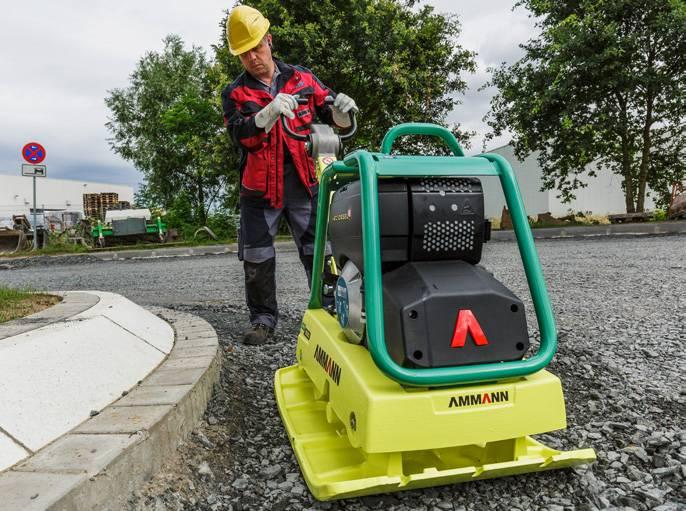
column 277, row 177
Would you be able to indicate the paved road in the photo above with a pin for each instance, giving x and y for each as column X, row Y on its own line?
column 620, row 305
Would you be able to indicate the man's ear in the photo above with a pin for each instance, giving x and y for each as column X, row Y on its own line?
column 269, row 40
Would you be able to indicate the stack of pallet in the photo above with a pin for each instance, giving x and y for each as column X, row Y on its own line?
column 95, row 204
column 91, row 205
column 109, row 201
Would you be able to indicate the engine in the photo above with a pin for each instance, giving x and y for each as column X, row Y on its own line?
column 440, row 307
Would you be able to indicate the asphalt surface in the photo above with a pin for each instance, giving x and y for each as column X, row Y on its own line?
column 620, row 306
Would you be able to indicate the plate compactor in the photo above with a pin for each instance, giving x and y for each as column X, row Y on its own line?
column 417, row 378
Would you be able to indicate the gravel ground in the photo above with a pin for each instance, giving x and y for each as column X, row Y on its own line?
column 621, row 314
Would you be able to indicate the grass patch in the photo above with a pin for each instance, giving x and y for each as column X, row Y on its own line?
column 16, row 303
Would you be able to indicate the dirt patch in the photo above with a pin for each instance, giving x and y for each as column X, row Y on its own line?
column 24, row 305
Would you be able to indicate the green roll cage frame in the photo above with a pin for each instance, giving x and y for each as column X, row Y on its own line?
column 369, row 167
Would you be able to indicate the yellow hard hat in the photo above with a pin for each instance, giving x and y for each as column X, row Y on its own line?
column 245, row 29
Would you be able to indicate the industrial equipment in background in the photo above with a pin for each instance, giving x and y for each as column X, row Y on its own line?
column 113, row 222
column 18, row 234
column 127, row 226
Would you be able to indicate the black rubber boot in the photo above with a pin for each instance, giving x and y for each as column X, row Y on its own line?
column 257, row 334
column 260, row 292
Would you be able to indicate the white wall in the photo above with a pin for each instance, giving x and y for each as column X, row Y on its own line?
column 16, row 194
column 529, row 178
column 602, row 196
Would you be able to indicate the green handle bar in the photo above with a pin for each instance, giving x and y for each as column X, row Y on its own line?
column 420, row 128
column 366, row 165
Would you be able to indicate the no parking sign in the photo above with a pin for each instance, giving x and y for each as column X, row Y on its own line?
column 33, row 152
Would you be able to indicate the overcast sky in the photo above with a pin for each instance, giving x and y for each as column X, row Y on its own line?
column 59, row 59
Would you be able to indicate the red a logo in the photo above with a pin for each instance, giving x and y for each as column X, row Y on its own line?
column 467, row 323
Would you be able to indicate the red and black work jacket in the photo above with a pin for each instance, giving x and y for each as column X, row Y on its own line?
column 263, row 154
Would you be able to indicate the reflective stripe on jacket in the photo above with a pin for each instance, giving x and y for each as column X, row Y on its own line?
column 262, row 154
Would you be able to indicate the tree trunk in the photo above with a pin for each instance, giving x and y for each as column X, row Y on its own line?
column 628, row 181
column 645, row 160
column 200, row 212
column 626, row 161
column 645, row 154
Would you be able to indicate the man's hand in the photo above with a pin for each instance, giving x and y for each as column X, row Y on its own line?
column 281, row 104
column 342, row 105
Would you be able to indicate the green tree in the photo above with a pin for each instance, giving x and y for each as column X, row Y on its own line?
column 604, row 82
column 398, row 62
column 168, row 123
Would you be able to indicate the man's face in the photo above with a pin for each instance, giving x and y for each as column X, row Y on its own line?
column 257, row 60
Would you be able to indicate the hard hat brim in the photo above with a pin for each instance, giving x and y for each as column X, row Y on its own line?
column 249, row 45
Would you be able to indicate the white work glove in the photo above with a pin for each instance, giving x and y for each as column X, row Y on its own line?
column 282, row 104
column 342, row 105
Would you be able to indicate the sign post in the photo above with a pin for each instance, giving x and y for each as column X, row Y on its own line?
column 34, row 154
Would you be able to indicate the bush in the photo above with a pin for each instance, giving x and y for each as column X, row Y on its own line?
column 659, row 215
column 224, row 224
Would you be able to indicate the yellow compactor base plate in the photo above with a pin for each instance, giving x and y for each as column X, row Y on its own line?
column 334, row 469
column 357, row 432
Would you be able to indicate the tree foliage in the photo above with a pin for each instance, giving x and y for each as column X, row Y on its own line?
column 400, row 63
column 604, row 83
column 168, row 123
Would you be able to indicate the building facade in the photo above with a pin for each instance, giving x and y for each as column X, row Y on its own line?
column 53, row 196
column 602, row 196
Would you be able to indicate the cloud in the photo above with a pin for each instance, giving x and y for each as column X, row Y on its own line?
column 91, row 170
column 59, row 59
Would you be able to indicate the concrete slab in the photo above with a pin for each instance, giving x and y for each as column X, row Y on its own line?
column 10, row 452
column 175, row 377
column 196, row 342
column 108, row 456
column 79, row 454
column 35, row 492
column 133, row 318
column 146, row 396
column 189, row 321
column 205, row 331
column 125, row 419
column 186, row 363
column 198, row 351
column 53, row 377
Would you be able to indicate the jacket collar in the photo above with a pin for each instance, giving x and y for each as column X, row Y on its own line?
column 286, row 71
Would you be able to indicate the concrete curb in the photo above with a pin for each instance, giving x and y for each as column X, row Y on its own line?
column 597, row 231
column 584, row 232
column 165, row 252
column 580, row 231
column 98, row 464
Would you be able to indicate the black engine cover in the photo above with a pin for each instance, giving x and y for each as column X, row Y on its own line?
column 421, row 219
column 422, row 304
